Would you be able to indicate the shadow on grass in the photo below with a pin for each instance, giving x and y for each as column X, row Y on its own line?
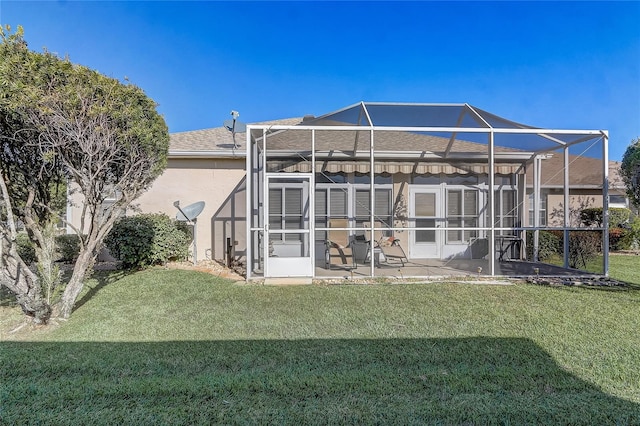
column 402, row 381
column 98, row 280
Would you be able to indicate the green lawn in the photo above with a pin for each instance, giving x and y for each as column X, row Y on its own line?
column 624, row 267
column 181, row 347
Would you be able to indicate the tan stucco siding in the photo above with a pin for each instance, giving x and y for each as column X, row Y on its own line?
column 217, row 182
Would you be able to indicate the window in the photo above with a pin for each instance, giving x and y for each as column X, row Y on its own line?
column 351, row 200
column 331, row 202
column 285, row 212
column 505, row 204
column 382, row 208
column 462, row 212
column 111, row 196
column 543, row 210
column 617, row 201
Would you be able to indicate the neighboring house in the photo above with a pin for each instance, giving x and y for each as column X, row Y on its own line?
column 434, row 168
column 585, row 182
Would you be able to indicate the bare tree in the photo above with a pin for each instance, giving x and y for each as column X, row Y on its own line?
column 105, row 138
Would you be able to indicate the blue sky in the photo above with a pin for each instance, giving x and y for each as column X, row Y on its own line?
column 549, row 64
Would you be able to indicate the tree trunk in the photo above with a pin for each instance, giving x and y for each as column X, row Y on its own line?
column 14, row 273
column 76, row 283
column 18, row 278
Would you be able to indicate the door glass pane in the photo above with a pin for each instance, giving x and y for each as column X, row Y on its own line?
column 293, row 201
column 289, row 210
column 454, row 203
column 425, row 204
column 425, row 236
column 470, row 203
column 275, row 201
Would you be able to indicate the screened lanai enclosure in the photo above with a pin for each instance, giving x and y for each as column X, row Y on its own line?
column 421, row 190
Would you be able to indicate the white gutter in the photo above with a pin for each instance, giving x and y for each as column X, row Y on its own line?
column 208, row 154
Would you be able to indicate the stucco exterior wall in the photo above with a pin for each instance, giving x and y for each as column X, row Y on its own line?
column 217, row 182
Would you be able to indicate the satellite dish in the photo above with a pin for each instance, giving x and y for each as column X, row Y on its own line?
column 235, row 126
column 190, row 212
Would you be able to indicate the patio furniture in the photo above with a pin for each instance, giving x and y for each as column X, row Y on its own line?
column 339, row 250
column 389, row 246
column 508, row 247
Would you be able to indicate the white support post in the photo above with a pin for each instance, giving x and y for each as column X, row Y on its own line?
column 537, row 169
column 605, row 203
column 522, row 202
column 490, row 206
column 265, row 206
column 536, row 205
column 525, row 209
column 567, row 200
column 372, row 205
column 312, row 204
column 248, row 201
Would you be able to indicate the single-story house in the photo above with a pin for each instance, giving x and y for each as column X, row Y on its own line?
column 441, row 181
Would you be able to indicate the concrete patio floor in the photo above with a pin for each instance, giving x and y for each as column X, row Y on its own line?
column 455, row 268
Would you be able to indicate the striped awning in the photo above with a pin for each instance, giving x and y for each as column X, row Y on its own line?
column 392, row 167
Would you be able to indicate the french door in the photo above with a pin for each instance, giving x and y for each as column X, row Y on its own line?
column 424, row 208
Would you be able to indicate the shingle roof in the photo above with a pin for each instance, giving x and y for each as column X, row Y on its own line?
column 583, row 171
column 215, row 139
column 389, row 141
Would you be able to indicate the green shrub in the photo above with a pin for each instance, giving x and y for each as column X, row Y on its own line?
column 634, row 226
column 620, row 239
column 583, row 246
column 549, row 245
column 25, row 248
column 593, row 216
column 147, row 239
column 68, row 246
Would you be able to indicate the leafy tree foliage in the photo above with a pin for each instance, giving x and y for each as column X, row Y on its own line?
column 630, row 171
column 62, row 123
column 618, row 216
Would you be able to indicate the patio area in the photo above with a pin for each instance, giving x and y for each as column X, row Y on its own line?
column 455, row 268
column 429, row 180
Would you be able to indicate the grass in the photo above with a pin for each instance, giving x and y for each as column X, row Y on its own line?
column 623, row 267
column 182, row 347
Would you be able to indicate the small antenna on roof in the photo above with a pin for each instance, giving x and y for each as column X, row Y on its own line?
column 235, row 126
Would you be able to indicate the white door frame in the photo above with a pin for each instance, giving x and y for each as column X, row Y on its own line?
column 283, row 266
column 425, row 250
